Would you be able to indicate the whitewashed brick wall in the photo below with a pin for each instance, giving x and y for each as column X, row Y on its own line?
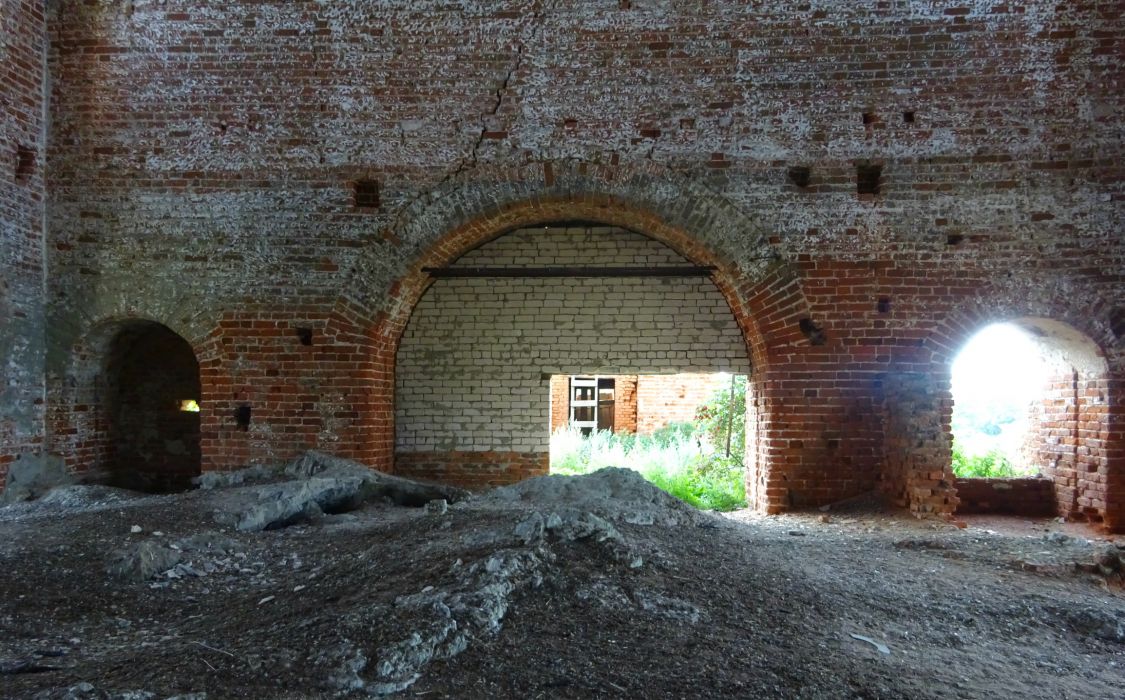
column 473, row 366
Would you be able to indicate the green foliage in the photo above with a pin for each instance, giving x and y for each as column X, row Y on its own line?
column 674, row 459
column 991, row 465
column 719, row 415
column 685, row 459
column 710, row 483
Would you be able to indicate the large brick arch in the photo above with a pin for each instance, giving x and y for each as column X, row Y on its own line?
column 1077, row 326
column 764, row 294
column 764, row 290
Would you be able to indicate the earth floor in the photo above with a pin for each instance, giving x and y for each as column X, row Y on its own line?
column 860, row 604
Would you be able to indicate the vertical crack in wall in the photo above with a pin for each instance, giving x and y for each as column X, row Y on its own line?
column 470, row 160
column 500, row 93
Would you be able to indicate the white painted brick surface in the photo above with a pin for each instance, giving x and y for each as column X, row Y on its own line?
column 472, row 363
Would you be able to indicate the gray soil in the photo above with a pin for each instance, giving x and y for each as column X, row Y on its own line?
column 569, row 587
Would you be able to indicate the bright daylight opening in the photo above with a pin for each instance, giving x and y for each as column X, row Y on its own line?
column 998, row 381
column 686, row 433
column 189, row 406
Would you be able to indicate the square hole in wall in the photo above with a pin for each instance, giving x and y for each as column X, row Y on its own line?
column 867, row 176
column 242, row 417
column 908, row 116
column 812, row 331
column 25, row 162
column 800, row 176
column 366, row 194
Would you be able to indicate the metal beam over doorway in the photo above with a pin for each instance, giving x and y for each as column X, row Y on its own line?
column 666, row 271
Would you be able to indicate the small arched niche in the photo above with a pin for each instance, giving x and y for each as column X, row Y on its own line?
column 1031, row 422
column 152, row 392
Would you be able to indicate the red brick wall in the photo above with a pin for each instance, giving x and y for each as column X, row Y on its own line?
column 472, row 470
column 560, row 401
column 1031, row 497
column 298, row 394
column 673, row 398
column 22, row 312
column 625, row 404
column 199, row 171
column 1073, row 433
column 916, row 462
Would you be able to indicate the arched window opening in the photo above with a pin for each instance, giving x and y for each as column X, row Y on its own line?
column 998, row 383
column 152, row 396
column 1031, row 422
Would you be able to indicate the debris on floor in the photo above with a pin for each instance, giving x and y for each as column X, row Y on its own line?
column 322, row 578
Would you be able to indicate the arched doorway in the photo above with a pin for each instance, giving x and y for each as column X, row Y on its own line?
column 1032, row 422
column 474, row 366
column 761, row 289
column 151, row 403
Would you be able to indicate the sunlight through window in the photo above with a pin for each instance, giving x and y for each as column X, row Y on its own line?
column 998, row 380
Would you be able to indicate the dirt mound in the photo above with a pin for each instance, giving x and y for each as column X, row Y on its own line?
column 614, row 493
column 85, row 496
column 557, row 587
column 312, row 485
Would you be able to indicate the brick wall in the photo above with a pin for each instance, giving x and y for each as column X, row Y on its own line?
column 471, row 367
column 673, row 398
column 1073, row 431
column 22, row 75
column 560, row 401
column 473, row 469
column 202, row 159
column 1030, row 497
column 916, row 468
column 626, row 404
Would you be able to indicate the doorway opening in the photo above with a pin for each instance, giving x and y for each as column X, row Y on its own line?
column 598, row 305
column 998, row 383
column 1031, row 422
column 153, row 406
column 684, row 432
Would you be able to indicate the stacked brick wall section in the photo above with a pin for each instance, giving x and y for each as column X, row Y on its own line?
column 22, row 139
column 625, row 418
column 202, row 161
column 1032, row 497
column 297, row 387
column 471, row 363
column 560, row 401
column 1074, row 445
column 916, row 469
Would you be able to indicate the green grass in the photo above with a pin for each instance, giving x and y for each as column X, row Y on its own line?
column 992, row 465
column 678, row 459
